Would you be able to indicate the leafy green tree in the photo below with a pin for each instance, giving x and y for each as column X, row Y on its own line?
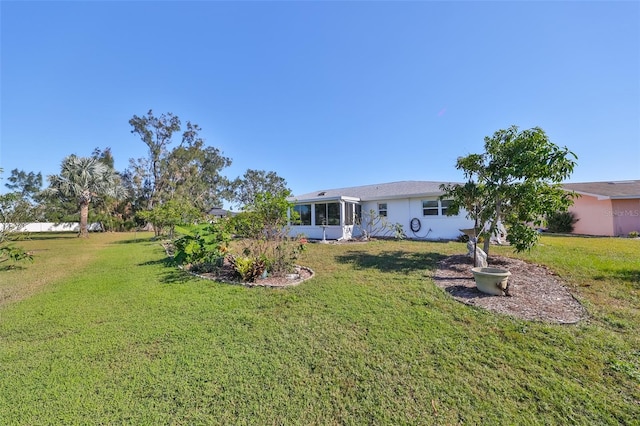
column 13, row 214
column 188, row 173
column 26, row 184
column 268, row 215
column 157, row 134
column 255, row 182
column 25, row 189
column 166, row 216
column 516, row 182
column 84, row 179
column 105, row 156
column 113, row 214
column 192, row 172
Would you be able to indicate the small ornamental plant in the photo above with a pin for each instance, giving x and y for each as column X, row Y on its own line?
column 248, row 269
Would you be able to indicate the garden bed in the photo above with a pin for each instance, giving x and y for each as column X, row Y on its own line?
column 227, row 274
column 535, row 292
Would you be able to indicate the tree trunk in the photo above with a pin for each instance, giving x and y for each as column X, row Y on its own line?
column 84, row 218
column 487, row 241
column 494, row 226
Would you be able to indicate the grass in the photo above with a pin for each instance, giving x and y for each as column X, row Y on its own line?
column 110, row 335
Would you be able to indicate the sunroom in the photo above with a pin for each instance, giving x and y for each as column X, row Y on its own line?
column 330, row 218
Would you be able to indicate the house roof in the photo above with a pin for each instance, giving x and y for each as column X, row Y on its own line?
column 381, row 191
column 219, row 211
column 603, row 190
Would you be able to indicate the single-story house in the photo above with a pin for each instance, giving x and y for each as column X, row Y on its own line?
column 219, row 212
column 606, row 208
column 338, row 214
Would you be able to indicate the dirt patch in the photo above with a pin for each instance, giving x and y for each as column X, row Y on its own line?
column 535, row 292
column 226, row 274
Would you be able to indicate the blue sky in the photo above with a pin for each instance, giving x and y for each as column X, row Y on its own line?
column 326, row 94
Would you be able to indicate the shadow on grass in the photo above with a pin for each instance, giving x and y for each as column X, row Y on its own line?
column 630, row 275
column 12, row 267
column 41, row 236
column 137, row 237
column 171, row 273
column 392, row 261
column 136, row 240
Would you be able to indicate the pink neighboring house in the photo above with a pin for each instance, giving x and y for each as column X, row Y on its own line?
column 606, row 208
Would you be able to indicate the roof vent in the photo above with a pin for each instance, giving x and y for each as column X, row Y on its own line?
column 320, row 194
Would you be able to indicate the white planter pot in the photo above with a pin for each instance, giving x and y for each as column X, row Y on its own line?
column 491, row 280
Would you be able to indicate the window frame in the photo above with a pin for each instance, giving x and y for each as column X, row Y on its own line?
column 432, row 208
column 300, row 222
column 349, row 213
column 437, row 207
column 328, row 214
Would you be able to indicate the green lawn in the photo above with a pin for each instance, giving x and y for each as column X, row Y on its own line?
column 104, row 332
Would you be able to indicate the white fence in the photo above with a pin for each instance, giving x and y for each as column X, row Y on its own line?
column 48, row 227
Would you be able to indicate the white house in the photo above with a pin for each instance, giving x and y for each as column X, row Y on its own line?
column 334, row 213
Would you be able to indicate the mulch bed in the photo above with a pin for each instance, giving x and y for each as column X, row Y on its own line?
column 535, row 292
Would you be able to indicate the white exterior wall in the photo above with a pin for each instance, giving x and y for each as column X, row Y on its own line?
column 50, row 227
column 335, row 232
column 432, row 227
column 398, row 211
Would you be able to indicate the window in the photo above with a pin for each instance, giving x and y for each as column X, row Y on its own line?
column 304, row 212
column 445, row 206
column 435, row 207
column 328, row 214
column 349, row 213
column 382, row 209
column 334, row 213
column 430, row 208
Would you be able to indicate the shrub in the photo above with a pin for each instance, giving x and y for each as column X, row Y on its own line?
column 561, row 222
column 634, row 234
column 249, row 269
column 12, row 216
column 264, row 229
column 284, row 254
column 13, row 253
column 374, row 225
column 203, row 245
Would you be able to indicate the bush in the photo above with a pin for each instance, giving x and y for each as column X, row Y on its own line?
column 561, row 222
column 249, row 269
column 203, row 245
column 265, row 241
column 13, row 253
column 634, row 234
column 12, row 216
column 283, row 255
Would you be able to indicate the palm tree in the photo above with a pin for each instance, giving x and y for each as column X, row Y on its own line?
column 82, row 179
